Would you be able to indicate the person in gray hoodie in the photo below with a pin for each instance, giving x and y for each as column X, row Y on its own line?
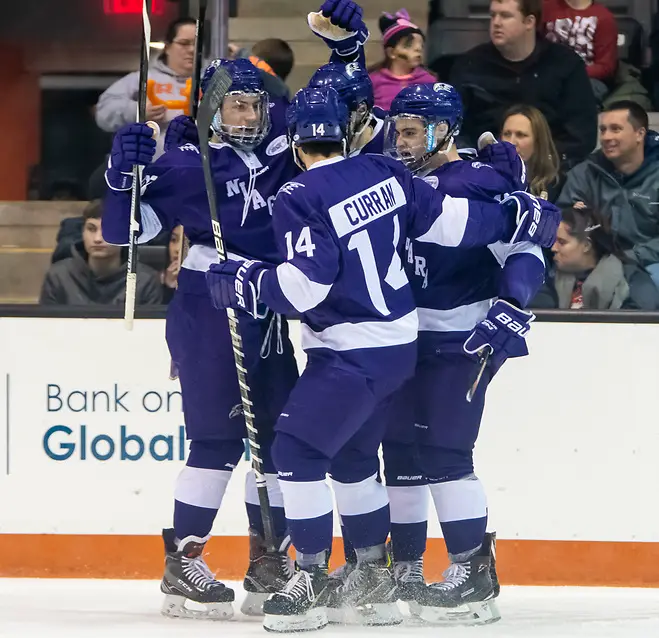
column 169, row 92
column 621, row 181
column 95, row 272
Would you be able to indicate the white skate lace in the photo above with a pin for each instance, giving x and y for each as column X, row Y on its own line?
column 299, row 586
column 199, row 574
column 409, row 571
column 455, row 576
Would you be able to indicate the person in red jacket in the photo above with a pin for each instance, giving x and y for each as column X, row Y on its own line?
column 590, row 29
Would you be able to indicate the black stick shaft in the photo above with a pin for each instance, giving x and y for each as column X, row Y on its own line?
column 210, row 102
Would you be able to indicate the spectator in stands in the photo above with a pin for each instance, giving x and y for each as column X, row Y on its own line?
column 274, row 58
column 170, row 74
column 590, row 272
column 591, row 30
column 518, row 67
column 402, row 65
column 95, row 273
column 621, row 181
column 169, row 276
column 526, row 128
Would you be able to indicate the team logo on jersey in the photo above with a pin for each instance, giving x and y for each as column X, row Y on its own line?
column 352, row 68
column 289, row 187
column 189, row 147
column 277, row 146
column 433, row 180
column 236, row 410
column 440, row 86
column 479, row 165
column 146, row 181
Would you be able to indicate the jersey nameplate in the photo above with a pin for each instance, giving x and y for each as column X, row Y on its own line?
column 361, row 209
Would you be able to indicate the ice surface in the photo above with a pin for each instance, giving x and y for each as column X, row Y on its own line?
column 47, row 608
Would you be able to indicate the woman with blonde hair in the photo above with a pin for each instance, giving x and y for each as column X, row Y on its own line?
column 526, row 128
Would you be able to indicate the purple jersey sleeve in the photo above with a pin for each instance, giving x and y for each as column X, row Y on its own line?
column 523, row 271
column 455, row 222
column 161, row 193
column 309, row 246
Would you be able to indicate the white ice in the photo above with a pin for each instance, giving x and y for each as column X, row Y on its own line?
column 47, row 608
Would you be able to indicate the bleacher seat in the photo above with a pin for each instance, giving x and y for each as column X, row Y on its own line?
column 450, row 37
column 631, row 41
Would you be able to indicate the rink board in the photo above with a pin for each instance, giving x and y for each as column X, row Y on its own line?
column 91, row 442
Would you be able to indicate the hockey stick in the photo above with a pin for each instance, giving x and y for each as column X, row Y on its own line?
column 474, row 386
column 198, row 56
column 210, row 104
column 131, row 275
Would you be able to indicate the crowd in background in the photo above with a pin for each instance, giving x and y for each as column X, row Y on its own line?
column 549, row 81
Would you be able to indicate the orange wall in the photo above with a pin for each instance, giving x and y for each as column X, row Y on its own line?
column 20, row 121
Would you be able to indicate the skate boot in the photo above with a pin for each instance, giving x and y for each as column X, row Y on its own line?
column 342, row 572
column 465, row 596
column 367, row 597
column 300, row 605
column 408, row 575
column 491, row 540
column 267, row 574
column 188, row 579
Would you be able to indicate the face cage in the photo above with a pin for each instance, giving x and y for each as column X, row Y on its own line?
column 244, row 138
column 431, row 145
column 359, row 120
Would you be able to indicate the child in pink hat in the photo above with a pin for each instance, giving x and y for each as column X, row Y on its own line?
column 403, row 56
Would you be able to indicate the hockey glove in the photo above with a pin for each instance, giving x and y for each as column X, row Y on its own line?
column 339, row 23
column 502, row 333
column 181, row 130
column 236, row 284
column 133, row 145
column 537, row 219
column 503, row 158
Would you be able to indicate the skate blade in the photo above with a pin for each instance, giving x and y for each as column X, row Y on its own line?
column 481, row 613
column 253, row 604
column 312, row 620
column 373, row 615
column 177, row 607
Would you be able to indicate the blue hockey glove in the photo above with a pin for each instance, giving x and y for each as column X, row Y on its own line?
column 537, row 219
column 236, row 284
column 345, row 14
column 502, row 333
column 181, row 130
column 133, row 145
column 339, row 23
column 503, row 157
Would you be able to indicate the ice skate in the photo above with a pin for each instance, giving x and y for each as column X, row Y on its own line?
column 491, row 541
column 300, row 605
column 465, row 596
column 267, row 574
column 367, row 597
column 342, row 572
column 188, row 579
column 408, row 575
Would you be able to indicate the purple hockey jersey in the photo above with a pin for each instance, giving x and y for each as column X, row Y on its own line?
column 454, row 288
column 342, row 227
column 173, row 192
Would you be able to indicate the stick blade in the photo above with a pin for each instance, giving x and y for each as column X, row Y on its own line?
column 211, row 100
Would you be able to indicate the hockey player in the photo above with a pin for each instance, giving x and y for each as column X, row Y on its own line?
column 342, row 227
column 471, row 302
column 250, row 164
